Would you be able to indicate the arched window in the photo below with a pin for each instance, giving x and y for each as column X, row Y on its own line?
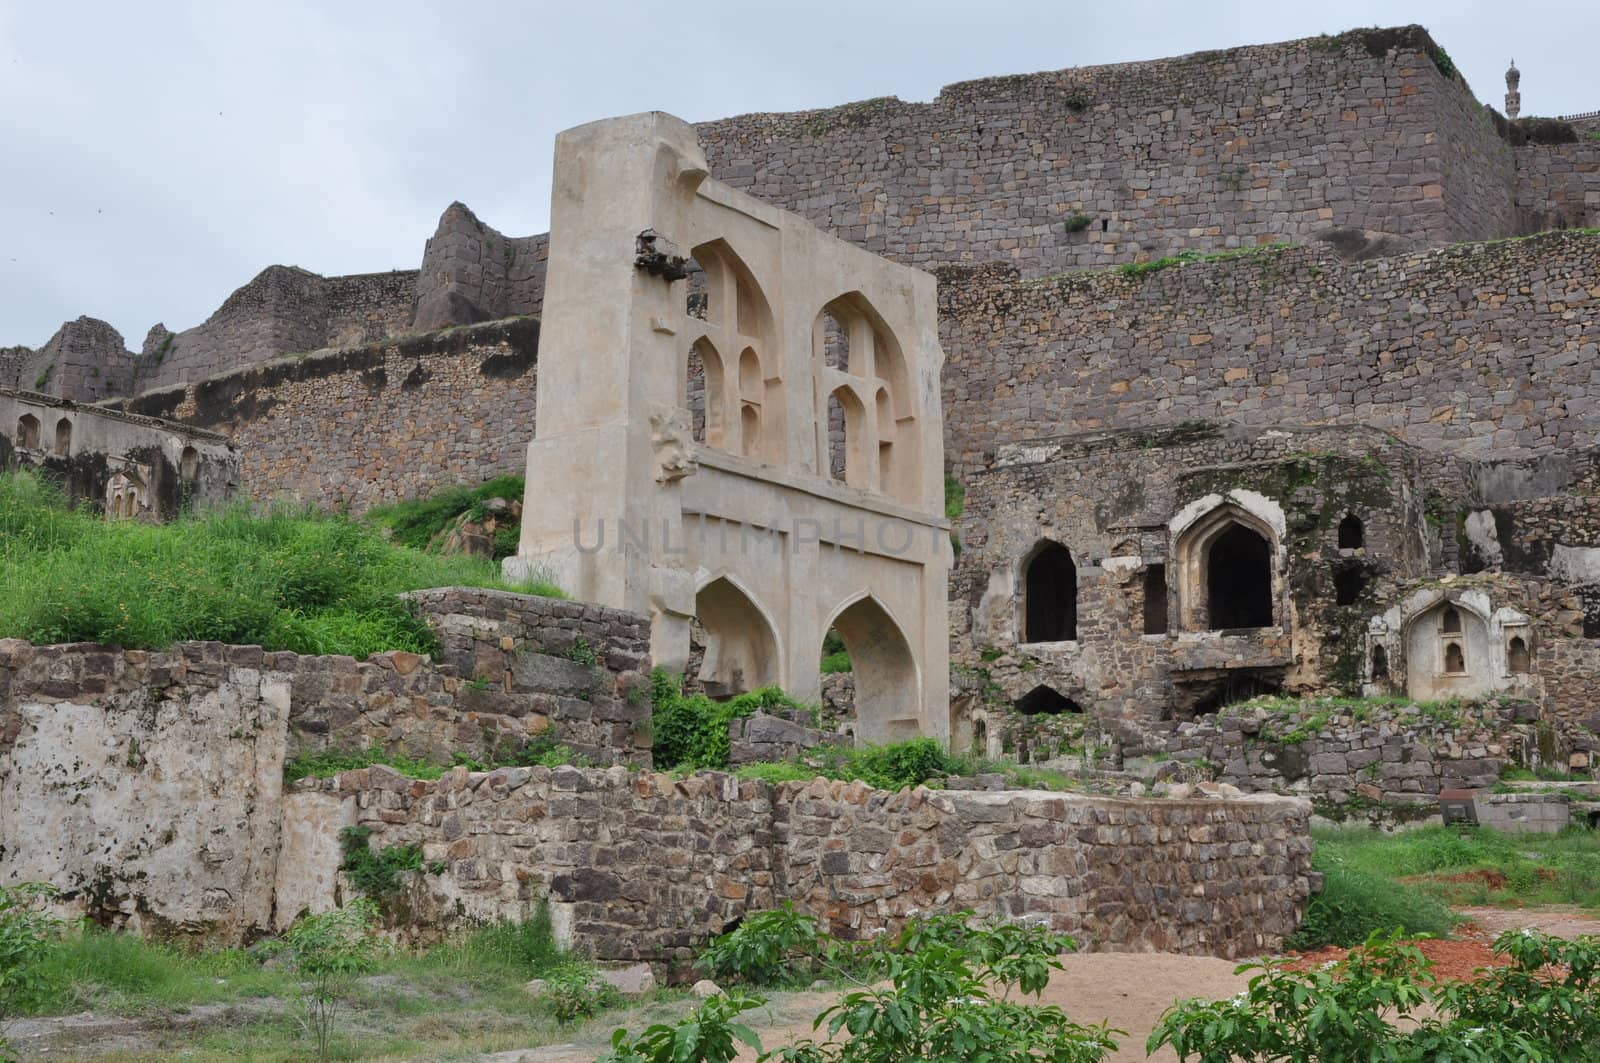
column 1239, row 580
column 750, row 396
column 1043, row 699
column 1050, row 595
column 1455, row 662
column 1352, row 536
column 847, row 453
column 886, row 433
column 189, row 464
column 27, row 432
column 1349, row 580
column 1517, row 657
column 1380, row 664
column 854, row 350
column 1450, row 621
column 836, row 438
column 703, row 392
column 63, row 437
column 729, row 315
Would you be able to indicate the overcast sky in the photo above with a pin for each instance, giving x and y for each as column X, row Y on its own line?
column 155, row 156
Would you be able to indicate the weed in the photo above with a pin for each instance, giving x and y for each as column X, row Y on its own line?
column 378, row 873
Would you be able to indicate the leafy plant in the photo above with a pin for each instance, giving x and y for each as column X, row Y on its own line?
column 377, row 874
column 331, row 949
column 576, row 994
column 709, row 1035
column 27, row 934
column 766, row 949
column 1077, row 221
column 691, row 731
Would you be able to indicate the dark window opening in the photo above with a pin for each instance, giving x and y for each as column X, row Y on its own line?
column 1454, row 662
column 63, row 437
column 1451, row 622
column 1042, row 699
column 1352, row 536
column 1517, row 658
column 1380, row 664
column 27, row 432
column 1051, row 596
column 1349, row 580
column 1239, row 580
column 1155, row 600
column 980, row 737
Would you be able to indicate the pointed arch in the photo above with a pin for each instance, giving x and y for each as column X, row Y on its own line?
column 854, row 346
column 742, row 650
column 1049, row 593
column 27, row 432
column 1227, row 570
column 703, row 392
column 63, row 437
column 888, row 684
column 851, row 456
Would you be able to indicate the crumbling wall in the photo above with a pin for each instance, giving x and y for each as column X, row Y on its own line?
column 361, row 426
column 1478, row 350
column 85, row 360
column 1370, row 130
column 641, row 866
column 470, row 272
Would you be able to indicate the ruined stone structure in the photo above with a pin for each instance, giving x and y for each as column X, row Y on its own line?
column 683, row 463
column 127, row 466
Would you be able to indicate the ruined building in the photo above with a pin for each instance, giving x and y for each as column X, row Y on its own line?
column 1270, row 369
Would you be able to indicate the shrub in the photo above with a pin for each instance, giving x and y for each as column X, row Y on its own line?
column 417, row 522
column 376, row 873
column 691, row 731
column 330, row 950
column 708, row 1035
column 27, row 935
column 767, row 948
column 1382, row 1002
column 901, row 765
column 1353, row 905
column 576, row 994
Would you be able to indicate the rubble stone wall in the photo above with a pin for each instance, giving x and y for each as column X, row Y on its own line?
column 366, row 425
column 641, row 866
column 1477, row 349
column 1558, row 185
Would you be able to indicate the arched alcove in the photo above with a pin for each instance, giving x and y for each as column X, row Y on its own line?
column 1227, row 571
column 729, row 313
column 703, row 387
column 855, row 348
column 1380, row 665
column 27, row 432
column 750, row 430
column 1518, row 659
column 1349, row 580
column 888, row 688
column 63, row 438
column 1049, row 594
column 887, row 429
column 1352, row 535
column 741, row 646
column 189, row 464
column 1448, row 653
column 853, row 469
column 1046, row 700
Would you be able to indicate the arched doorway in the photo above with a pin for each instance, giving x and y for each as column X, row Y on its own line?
column 1239, row 580
column 1050, row 594
column 741, row 651
column 888, row 688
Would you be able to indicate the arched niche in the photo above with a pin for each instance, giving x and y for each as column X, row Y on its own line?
column 727, row 311
column 1049, row 594
column 703, row 392
column 27, row 432
column 854, row 346
column 189, row 464
column 849, row 454
column 1227, row 571
column 1448, row 653
column 741, row 652
column 888, row 686
column 1352, row 534
column 1045, row 700
column 63, row 437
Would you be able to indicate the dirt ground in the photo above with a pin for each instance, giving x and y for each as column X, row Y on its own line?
column 1129, row 990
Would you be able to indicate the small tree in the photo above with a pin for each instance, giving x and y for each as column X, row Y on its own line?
column 27, row 933
column 330, row 950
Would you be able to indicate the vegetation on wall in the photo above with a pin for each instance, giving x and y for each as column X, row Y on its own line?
column 418, row 523
column 691, row 730
column 285, row 579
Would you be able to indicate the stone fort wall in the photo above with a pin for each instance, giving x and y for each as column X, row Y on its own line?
column 1476, row 349
column 361, row 426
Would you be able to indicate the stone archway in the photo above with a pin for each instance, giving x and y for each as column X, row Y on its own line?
column 888, row 688
column 742, row 650
column 1228, row 571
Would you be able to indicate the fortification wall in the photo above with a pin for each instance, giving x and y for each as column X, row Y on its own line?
column 283, row 309
column 85, row 360
column 471, row 272
column 641, row 866
column 1558, row 185
column 1475, row 349
column 1273, row 143
column 367, row 425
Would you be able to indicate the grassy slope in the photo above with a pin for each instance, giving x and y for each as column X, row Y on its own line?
column 294, row 580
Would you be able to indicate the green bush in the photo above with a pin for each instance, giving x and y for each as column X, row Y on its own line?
column 285, row 580
column 900, row 765
column 1353, row 905
column 690, row 731
column 27, row 935
column 417, row 522
column 376, row 873
column 768, row 948
column 1382, row 1002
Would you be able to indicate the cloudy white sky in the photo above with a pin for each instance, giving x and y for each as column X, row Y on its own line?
column 154, row 156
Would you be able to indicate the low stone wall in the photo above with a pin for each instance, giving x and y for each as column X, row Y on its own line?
column 1391, row 761
column 643, row 866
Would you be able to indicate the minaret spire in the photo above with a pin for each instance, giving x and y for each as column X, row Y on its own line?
column 1513, row 97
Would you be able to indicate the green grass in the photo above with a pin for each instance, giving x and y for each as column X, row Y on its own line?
column 417, row 522
column 123, row 974
column 901, row 765
column 1541, row 774
column 1474, row 865
column 539, row 751
column 286, row 580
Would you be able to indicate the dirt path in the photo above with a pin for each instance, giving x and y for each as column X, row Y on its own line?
column 1129, row 990
column 1563, row 922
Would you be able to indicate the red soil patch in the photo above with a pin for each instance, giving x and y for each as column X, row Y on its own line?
column 1453, row 961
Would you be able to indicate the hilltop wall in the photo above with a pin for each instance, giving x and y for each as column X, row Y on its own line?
column 1477, row 349
column 85, row 361
column 1558, row 185
column 365, row 425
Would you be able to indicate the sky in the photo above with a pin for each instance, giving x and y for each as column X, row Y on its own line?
column 155, row 156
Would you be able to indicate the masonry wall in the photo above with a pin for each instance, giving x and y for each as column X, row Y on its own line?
column 640, row 866
column 362, row 426
column 1558, row 185
column 1479, row 349
column 1271, row 143
column 471, row 272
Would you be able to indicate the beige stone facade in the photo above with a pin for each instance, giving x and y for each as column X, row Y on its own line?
column 697, row 346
